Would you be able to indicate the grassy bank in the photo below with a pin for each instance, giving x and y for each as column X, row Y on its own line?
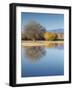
column 40, row 43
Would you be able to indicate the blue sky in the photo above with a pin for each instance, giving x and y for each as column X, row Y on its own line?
column 49, row 21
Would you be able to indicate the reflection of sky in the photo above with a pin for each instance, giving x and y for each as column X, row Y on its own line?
column 49, row 21
column 51, row 64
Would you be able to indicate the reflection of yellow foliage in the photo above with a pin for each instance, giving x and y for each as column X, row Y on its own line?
column 52, row 45
column 49, row 36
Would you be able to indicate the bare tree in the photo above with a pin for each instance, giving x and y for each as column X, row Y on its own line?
column 33, row 31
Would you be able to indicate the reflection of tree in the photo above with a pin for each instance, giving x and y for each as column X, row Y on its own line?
column 34, row 53
column 55, row 45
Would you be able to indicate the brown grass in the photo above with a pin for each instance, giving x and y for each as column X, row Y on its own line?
column 40, row 43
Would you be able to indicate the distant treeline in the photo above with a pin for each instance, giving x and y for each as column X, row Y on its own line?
column 35, row 31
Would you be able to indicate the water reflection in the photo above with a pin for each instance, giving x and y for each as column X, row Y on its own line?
column 34, row 53
column 46, row 59
column 55, row 45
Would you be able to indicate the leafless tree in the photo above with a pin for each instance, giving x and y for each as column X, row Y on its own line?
column 33, row 31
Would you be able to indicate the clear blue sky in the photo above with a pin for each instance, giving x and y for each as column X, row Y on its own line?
column 49, row 21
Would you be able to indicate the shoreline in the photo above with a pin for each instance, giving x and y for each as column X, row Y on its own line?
column 40, row 43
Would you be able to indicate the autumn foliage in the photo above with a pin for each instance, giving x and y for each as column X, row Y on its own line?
column 50, row 36
column 35, row 31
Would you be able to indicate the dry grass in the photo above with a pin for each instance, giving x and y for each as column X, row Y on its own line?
column 40, row 43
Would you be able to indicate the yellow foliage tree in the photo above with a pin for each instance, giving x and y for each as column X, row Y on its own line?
column 49, row 36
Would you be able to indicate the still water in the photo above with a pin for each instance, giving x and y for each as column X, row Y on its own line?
column 42, row 60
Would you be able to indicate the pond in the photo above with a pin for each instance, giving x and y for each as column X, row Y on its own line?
column 42, row 60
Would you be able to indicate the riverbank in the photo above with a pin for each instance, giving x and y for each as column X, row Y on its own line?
column 40, row 43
